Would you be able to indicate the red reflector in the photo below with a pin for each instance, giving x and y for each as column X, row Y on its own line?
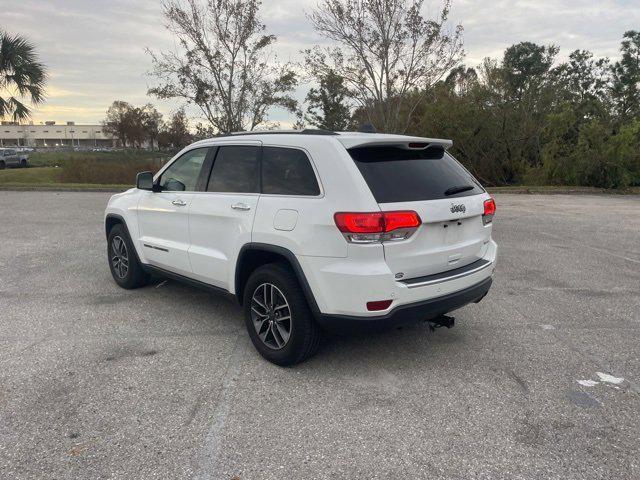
column 489, row 207
column 376, row 222
column 378, row 305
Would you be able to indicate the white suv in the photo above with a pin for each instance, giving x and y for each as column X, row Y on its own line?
column 311, row 230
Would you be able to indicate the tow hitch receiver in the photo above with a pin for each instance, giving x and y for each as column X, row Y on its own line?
column 441, row 321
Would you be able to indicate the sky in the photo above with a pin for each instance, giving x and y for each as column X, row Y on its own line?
column 95, row 49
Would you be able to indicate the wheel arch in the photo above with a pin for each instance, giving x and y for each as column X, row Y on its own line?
column 113, row 219
column 254, row 255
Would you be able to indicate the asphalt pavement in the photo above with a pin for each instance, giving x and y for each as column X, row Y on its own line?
column 539, row 380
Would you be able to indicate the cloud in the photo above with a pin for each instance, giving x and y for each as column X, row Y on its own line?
column 95, row 50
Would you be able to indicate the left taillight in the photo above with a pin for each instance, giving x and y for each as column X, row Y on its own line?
column 489, row 211
column 375, row 227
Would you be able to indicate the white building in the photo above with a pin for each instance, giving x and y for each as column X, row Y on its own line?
column 52, row 135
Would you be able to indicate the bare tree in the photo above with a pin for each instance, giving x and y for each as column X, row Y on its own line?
column 385, row 50
column 223, row 63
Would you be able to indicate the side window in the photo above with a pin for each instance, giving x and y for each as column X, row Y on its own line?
column 287, row 171
column 182, row 175
column 235, row 169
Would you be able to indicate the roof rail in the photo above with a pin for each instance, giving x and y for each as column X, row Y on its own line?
column 306, row 131
column 317, row 131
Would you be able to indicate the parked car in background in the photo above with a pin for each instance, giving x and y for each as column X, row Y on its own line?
column 10, row 157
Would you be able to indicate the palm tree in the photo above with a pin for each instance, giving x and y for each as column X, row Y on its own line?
column 22, row 77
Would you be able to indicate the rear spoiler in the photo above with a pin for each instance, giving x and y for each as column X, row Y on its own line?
column 418, row 143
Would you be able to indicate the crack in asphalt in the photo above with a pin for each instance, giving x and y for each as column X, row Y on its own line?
column 208, row 458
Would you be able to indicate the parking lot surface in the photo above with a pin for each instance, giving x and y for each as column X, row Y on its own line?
column 539, row 380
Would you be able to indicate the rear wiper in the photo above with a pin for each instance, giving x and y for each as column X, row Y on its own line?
column 458, row 189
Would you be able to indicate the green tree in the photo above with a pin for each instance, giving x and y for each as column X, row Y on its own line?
column 583, row 83
column 495, row 113
column 176, row 134
column 152, row 123
column 462, row 79
column 625, row 146
column 327, row 104
column 594, row 162
column 526, row 92
column 560, row 137
column 584, row 78
column 132, row 125
column 117, row 121
column 625, row 88
column 134, row 122
column 525, row 69
column 22, row 77
column 522, row 119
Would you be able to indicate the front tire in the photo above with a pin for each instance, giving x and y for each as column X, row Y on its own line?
column 123, row 261
column 23, row 164
column 277, row 316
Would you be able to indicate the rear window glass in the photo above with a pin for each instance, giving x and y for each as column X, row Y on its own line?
column 395, row 174
column 287, row 171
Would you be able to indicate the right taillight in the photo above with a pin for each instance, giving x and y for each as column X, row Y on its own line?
column 375, row 227
column 489, row 211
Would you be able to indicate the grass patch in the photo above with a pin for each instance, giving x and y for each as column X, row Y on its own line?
column 63, row 187
column 47, row 178
column 106, row 171
column 82, row 170
column 60, row 158
column 29, row 175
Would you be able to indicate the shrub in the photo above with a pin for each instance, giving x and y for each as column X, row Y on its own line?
column 106, row 171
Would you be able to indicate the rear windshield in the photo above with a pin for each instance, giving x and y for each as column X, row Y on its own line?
column 395, row 174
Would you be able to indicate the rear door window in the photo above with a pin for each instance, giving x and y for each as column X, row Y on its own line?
column 235, row 169
column 396, row 174
column 287, row 171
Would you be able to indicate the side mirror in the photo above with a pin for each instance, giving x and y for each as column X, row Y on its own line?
column 144, row 181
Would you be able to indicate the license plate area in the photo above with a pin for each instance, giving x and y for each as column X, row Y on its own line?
column 453, row 231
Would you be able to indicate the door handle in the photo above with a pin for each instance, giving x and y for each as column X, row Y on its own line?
column 241, row 206
column 179, row 203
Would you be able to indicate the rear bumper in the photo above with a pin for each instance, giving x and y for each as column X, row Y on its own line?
column 407, row 313
column 343, row 286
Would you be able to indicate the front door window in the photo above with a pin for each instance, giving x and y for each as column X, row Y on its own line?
column 182, row 175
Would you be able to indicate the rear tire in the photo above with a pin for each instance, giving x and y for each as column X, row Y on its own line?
column 2, row 166
column 272, row 294
column 23, row 164
column 123, row 260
